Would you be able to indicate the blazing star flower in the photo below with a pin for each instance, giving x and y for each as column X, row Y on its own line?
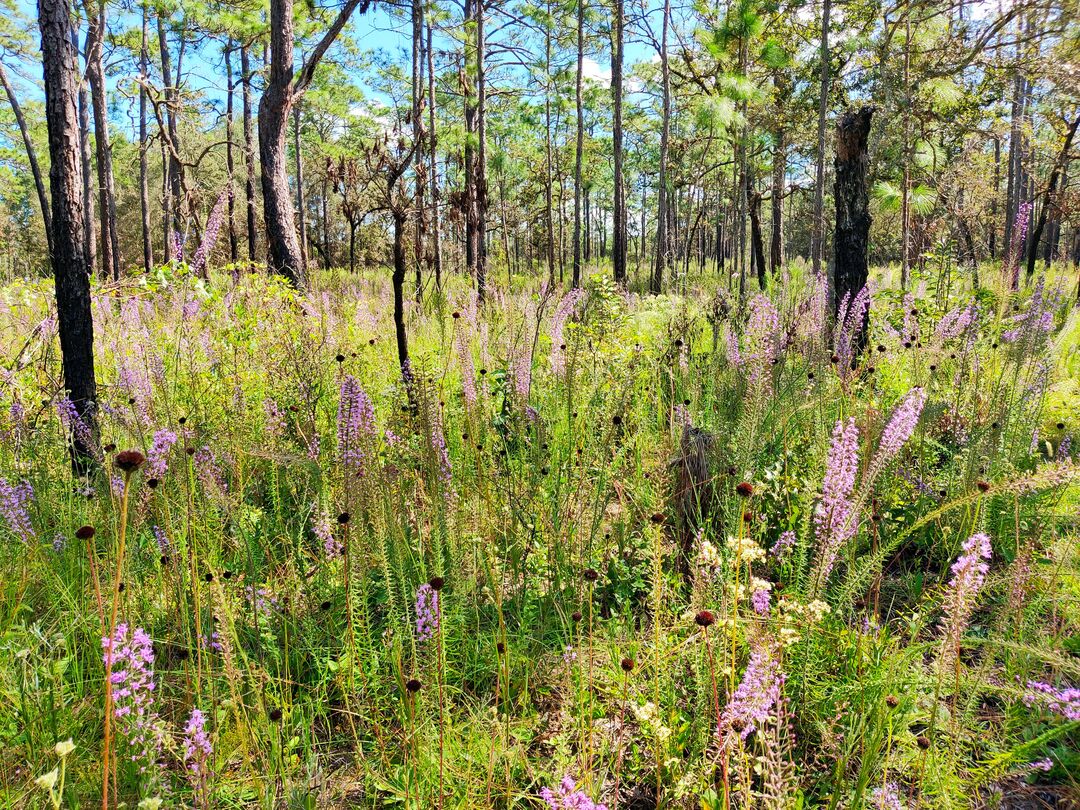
column 355, row 424
column 834, row 519
column 210, row 234
column 14, row 499
column 1061, row 701
column 900, row 427
column 969, row 572
column 756, row 695
column 129, row 664
column 783, row 545
column 324, row 530
column 158, row 458
column 568, row 797
column 563, row 313
column 197, row 746
column 886, row 797
column 427, row 612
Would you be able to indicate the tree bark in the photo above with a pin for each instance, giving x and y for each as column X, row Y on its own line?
column 662, row 259
column 757, row 242
column 1049, row 199
column 618, row 236
column 31, row 157
column 89, row 225
column 549, row 179
column 400, row 221
column 284, row 251
column 579, row 143
column 301, row 204
column 852, row 231
column 249, row 154
column 230, row 164
column 95, row 74
column 144, row 173
column 818, row 238
column 419, row 225
column 433, row 170
column 71, row 269
column 172, row 220
column 776, row 201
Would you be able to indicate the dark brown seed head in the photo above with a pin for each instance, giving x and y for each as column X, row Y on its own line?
column 657, row 518
column 983, row 486
column 1060, row 425
column 189, row 450
column 325, row 605
column 130, row 460
column 576, row 615
column 705, row 618
column 923, row 741
column 209, row 577
column 121, row 587
column 413, row 685
column 84, row 532
column 881, row 347
column 226, row 575
column 893, row 701
column 109, row 447
column 627, row 664
column 436, row 583
column 340, row 358
column 455, row 314
column 591, row 575
column 164, row 559
column 616, row 420
column 500, row 648
column 745, row 488
column 747, row 516
column 152, row 483
column 834, row 359
column 343, row 518
column 275, row 715
column 182, row 420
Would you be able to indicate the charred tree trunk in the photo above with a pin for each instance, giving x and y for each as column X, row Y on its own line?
column 31, row 157
column 95, row 74
column 71, row 269
column 817, row 242
column 400, row 222
column 172, row 217
column 1049, row 199
column 550, row 176
column 618, row 237
column 852, row 232
column 662, row 259
column 757, row 242
column 301, row 203
column 144, row 172
column 89, row 226
column 776, row 201
column 433, row 169
column 230, row 163
column 579, row 143
column 249, row 154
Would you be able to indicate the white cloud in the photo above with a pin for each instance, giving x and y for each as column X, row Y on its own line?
column 594, row 71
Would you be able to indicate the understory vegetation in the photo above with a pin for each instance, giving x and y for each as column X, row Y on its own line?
column 594, row 549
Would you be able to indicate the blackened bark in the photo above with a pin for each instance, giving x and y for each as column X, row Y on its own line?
column 779, row 173
column 249, row 153
column 144, row 182
column 1049, row 198
column 89, row 243
column 230, row 164
column 95, row 74
column 817, row 241
column 171, row 208
column 301, row 203
column 31, row 156
column 757, row 242
column 400, row 222
column 433, row 169
column 71, row 270
column 852, row 233
column 619, row 225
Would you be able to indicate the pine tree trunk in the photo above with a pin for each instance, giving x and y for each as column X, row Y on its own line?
column 95, row 75
column 89, row 223
column 1049, row 199
column 230, row 163
column 776, row 201
column 660, row 268
column 618, row 226
column 579, row 142
column 550, row 177
column 301, row 203
column 418, row 138
column 71, row 269
column 144, row 169
column 852, row 231
column 436, row 247
column 817, row 241
column 31, row 156
column 249, row 154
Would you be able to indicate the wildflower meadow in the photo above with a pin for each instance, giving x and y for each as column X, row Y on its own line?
column 589, row 549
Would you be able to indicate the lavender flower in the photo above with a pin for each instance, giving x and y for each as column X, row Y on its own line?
column 562, row 314
column 355, row 424
column 968, row 571
column 568, row 797
column 197, row 747
column 129, row 664
column 752, row 703
column 1016, row 246
column 210, row 235
column 899, row 430
column 163, row 544
column 886, row 797
column 324, row 530
column 851, row 320
column 427, row 612
column 74, row 425
column 783, row 545
column 1061, row 701
column 13, row 502
column 834, row 517
column 158, row 457
column 468, row 370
